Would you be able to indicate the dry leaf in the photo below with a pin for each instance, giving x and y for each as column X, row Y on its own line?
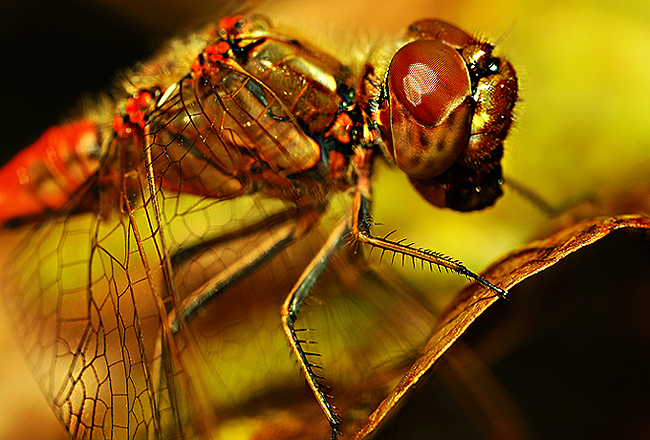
column 508, row 272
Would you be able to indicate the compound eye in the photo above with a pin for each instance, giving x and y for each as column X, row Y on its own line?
column 430, row 79
column 430, row 108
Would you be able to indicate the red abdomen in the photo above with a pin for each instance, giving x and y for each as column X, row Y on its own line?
column 43, row 176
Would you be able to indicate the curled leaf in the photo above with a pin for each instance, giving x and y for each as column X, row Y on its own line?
column 473, row 301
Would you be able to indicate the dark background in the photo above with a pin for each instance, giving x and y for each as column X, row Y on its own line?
column 54, row 53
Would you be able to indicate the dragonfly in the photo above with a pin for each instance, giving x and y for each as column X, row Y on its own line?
column 172, row 242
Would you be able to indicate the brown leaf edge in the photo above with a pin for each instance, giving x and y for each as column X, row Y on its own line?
column 515, row 267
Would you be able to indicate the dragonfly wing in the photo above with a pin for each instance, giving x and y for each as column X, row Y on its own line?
column 365, row 329
column 94, row 292
column 85, row 310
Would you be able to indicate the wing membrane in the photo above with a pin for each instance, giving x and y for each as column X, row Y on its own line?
column 84, row 307
column 93, row 309
column 117, row 297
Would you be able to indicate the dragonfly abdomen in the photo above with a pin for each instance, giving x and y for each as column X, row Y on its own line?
column 42, row 177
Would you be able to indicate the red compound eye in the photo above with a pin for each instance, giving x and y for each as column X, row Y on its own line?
column 430, row 79
column 431, row 108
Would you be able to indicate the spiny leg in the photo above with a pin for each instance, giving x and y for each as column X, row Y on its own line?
column 226, row 279
column 291, row 308
column 361, row 231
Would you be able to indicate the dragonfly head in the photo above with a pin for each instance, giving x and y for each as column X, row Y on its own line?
column 448, row 103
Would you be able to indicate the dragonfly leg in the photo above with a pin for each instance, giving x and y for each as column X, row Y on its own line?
column 242, row 267
column 361, row 232
column 290, row 311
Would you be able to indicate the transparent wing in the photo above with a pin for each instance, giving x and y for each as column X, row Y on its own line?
column 364, row 330
column 93, row 300
column 84, row 299
column 93, row 309
column 149, row 305
column 92, row 289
